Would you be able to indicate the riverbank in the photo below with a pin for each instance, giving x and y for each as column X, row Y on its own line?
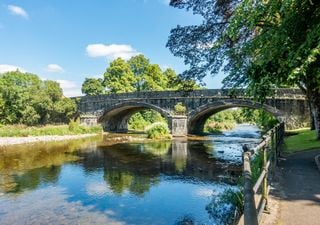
column 73, row 128
column 6, row 141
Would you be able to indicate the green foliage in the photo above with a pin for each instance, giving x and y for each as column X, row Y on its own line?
column 158, row 130
column 260, row 45
column 119, row 78
column 30, row 116
column 180, row 109
column 74, row 125
column 217, row 127
column 26, row 99
column 139, row 121
column 256, row 166
column 300, row 140
column 227, row 119
column 224, row 120
column 136, row 74
column 227, row 206
column 24, row 131
column 92, row 86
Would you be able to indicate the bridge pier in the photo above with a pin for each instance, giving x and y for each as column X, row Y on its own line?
column 178, row 126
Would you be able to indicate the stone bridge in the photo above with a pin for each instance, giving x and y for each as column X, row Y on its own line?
column 114, row 110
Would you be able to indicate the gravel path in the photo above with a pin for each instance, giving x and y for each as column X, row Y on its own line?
column 5, row 141
column 296, row 197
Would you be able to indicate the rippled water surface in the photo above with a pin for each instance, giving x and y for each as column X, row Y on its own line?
column 94, row 182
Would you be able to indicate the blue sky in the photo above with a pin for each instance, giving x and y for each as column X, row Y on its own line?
column 69, row 40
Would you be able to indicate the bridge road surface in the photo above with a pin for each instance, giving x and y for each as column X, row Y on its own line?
column 297, row 191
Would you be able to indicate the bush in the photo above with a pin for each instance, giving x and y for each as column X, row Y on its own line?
column 158, row 131
column 216, row 127
column 74, row 125
column 180, row 109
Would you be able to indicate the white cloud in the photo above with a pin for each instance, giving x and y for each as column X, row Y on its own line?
column 98, row 189
column 18, row 11
column 112, row 51
column 70, row 88
column 7, row 68
column 54, row 68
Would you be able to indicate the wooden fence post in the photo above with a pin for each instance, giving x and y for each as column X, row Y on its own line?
column 250, row 210
column 265, row 179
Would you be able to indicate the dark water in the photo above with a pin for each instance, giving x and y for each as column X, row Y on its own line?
column 94, row 182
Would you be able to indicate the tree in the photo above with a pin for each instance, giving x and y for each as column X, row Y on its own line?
column 25, row 98
column 138, row 65
column 260, row 45
column 119, row 78
column 154, row 79
column 92, row 86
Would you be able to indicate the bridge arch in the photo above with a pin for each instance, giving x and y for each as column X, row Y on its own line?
column 198, row 117
column 116, row 117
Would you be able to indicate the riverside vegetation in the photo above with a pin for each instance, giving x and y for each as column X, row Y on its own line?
column 24, row 131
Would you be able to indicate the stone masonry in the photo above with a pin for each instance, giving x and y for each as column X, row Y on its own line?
column 114, row 110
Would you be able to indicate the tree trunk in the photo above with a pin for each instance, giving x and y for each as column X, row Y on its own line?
column 315, row 109
column 312, row 125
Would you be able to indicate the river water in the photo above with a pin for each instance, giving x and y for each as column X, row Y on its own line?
column 92, row 181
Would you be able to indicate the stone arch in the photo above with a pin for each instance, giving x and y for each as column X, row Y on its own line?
column 116, row 118
column 198, row 117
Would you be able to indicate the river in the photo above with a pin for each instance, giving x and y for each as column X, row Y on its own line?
column 91, row 181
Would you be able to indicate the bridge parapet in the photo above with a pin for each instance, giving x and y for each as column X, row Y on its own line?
column 284, row 103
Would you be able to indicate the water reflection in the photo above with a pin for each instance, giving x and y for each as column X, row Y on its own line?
column 132, row 183
column 26, row 167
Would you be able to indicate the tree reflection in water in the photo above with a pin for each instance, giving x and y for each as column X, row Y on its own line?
column 25, row 167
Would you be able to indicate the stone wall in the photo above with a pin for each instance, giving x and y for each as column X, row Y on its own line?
column 113, row 110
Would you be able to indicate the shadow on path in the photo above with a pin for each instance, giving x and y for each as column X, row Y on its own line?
column 298, row 189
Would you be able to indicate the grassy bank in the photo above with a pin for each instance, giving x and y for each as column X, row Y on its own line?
column 25, row 131
column 301, row 140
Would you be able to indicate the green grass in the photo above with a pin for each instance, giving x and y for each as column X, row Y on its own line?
column 25, row 131
column 301, row 140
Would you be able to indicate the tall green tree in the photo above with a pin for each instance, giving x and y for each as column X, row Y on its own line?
column 139, row 65
column 154, row 79
column 92, row 86
column 260, row 45
column 26, row 99
column 119, row 77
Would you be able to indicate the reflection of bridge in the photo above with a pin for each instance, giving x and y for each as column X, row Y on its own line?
column 114, row 110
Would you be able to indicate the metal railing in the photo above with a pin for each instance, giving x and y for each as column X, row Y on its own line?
column 256, row 195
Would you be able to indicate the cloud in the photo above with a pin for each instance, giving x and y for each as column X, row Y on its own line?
column 7, row 68
column 54, row 68
column 112, row 51
column 98, row 189
column 70, row 88
column 18, row 11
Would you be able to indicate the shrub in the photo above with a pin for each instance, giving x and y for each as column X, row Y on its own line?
column 158, row 131
column 216, row 127
column 180, row 109
column 74, row 125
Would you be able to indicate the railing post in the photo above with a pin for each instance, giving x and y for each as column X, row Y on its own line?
column 274, row 149
column 265, row 179
column 250, row 211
